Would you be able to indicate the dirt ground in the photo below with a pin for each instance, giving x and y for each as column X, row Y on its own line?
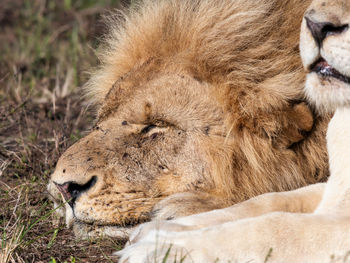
column 46, row 49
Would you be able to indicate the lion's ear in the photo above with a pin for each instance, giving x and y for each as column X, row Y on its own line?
column 303, row 117
column 298, row 122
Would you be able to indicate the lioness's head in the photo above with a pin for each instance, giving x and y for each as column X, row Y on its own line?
column 325, row 52
column 200, row 107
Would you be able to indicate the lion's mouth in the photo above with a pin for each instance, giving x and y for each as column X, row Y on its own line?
column 322, row 68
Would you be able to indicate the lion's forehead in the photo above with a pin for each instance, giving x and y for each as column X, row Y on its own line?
column 176, row 99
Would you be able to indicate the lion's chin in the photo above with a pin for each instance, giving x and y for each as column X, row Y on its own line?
column 86, row 231
column 94, row 228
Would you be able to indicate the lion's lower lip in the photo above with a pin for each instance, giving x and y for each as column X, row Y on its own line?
column 97, row 224
column 103, row 224
column 322, row 68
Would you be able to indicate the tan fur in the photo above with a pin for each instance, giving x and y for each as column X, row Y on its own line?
column 222, row 82
column 310, row 224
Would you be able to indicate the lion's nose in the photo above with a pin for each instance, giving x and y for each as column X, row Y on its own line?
column 71, row 190
column 320, row 30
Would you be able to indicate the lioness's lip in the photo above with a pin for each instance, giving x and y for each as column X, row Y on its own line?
column 324, row 69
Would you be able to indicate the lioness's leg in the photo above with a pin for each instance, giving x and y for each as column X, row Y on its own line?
column 336, row 195
column 302, row 200
column 286, row 237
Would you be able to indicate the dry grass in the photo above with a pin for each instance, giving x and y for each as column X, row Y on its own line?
column 46, row 46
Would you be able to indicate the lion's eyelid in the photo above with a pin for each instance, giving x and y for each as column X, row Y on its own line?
column 148, row 128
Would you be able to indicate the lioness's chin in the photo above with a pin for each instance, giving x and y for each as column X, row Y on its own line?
column 327, row 93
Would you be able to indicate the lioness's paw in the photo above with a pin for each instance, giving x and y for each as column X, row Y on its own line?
column 143, row 230
column 161, row 246
column 153, row 252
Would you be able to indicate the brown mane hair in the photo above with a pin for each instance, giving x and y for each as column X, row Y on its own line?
column 238, row 42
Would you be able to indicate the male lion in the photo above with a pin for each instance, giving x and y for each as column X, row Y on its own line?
column 201, row 107
column 275, row 224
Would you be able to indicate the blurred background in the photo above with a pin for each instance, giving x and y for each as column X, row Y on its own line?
column 47, row 48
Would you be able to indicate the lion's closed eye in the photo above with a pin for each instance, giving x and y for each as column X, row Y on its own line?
column 154, row 126
column 148, row 128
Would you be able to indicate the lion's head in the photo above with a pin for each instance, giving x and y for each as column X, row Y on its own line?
column 201, row 106
column 325, row 53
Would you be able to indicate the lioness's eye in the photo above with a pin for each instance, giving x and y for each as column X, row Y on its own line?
column 148, row 128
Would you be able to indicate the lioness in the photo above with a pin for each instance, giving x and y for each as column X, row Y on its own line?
column 201, row 107
column 311, row 224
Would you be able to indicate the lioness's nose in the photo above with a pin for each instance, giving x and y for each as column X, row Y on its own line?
column 320, row 30
column 71, row 191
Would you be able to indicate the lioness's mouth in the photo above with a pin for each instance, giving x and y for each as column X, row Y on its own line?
column 322, row 68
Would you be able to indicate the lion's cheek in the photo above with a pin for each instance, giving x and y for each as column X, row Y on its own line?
column 119, row 209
